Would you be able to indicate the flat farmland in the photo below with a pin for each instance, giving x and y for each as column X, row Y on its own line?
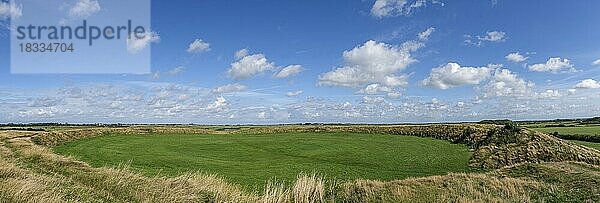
column 577, row 130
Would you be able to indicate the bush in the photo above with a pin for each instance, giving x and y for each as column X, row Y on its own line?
column 497, row 122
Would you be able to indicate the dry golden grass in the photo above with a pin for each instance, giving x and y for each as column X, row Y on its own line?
column 309, row 189
column 449, row 188
column 275, row 193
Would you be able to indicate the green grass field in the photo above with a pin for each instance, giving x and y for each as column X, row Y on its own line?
column 587, row 144
column 252, row 160
column 582, row 130
column 572, row 132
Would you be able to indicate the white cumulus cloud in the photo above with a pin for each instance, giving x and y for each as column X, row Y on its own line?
column 375, row 63
column 588, row 84
column 369, row 63
column 453, row 75
column 198, row 46
column 554, row 65
column 250, row 65
column 229, row 88
column 596, row 62
column 505, row 83
column 516, row 57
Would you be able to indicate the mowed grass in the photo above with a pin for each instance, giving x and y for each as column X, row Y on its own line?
column 579, row 130
column 252, row 160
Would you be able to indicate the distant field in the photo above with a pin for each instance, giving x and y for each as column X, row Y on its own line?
column 588, row 144
column 581, row 130
column 252, row 160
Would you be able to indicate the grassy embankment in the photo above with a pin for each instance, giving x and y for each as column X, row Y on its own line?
column 523, row 166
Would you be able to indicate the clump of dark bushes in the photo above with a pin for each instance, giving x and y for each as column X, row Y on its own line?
column 500, row 136
column 497, row 122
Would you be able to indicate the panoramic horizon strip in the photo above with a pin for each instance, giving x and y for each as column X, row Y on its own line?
column 282, row 62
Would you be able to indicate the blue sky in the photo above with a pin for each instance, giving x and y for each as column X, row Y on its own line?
column 368, row 61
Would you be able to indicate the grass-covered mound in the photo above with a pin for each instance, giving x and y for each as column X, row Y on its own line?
column 253, row 160
column 523, row 166
column 527, row 182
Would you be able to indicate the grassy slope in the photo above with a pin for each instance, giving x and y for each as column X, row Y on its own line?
column 254, row 159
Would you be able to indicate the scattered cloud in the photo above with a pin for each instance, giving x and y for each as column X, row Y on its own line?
column 45, row 101
column 176, row 71
column 424, row 36
column 370, row 63
column 505, row 83
column 229, row 88
column 394, row 94
column 549, row 94
column 288, row 71
column 375, row 64
column 155, row 75
column 493, row 36
column 198, row 46
column 375, row 89
column 378, row 89
column 135, row 44
column 596, row 62
column 84, row 9
column 516, row 57
column 389, row 8
column 10, row 10
column 219, row 105
column 159, row 102
column 241, row 54
column 453, row 75
column 293, row 94
column 588, row 84
column 554, row 65
column 249, row 65
column 490, row 36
